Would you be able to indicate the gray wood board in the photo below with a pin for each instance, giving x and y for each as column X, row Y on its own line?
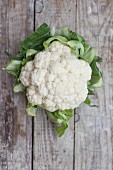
column 16, row 22
column 93, row 140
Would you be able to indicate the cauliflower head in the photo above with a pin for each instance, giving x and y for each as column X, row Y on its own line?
column 56, row 78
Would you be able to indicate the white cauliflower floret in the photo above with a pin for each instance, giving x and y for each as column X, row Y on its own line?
column 37, row 76
column 40, row 59
column 56, row 79
column 33, row 96
column 25, row 75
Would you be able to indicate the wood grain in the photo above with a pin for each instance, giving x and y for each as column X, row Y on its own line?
column 50, row 151
column 91, row 147
column 16, row 22
column 93, row 140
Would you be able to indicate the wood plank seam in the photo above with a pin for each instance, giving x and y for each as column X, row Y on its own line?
column 34, row 13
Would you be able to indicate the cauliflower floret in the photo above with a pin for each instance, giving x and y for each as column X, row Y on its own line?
column 56, row 78
column 33, row 96
column 37, row 76
column 26, row 73
column 40, row 58
column 86, row 69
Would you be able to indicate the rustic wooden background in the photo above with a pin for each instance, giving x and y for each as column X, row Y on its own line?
column 32, row 144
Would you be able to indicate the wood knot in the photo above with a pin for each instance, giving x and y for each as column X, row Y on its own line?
column 39, row 6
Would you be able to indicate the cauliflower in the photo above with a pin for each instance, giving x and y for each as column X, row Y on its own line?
column 57, row 70
column 56, row 79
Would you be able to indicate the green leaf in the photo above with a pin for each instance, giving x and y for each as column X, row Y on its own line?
column 13, row 67
column 77, row 46
column 36, row 39
column 75, row 52
column 98, row 59
column 88, row 102
column 59, row 114
column 96, row 82
column 61, row 117
column 14, row 73
column 65, row 32
column 19, row 88
column 91, row 91
column 63, row 40
column 61, row 129
column 68, row 112
column 96, row 78
column 53, row 117
column 12, row 64
column 30, row 52
column 89, row 53
column 70, row 35
column 31, row 109
column 20, row 55
column 29, row 58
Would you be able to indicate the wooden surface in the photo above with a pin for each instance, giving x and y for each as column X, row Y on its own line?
column 16, row 22
column 32, row 144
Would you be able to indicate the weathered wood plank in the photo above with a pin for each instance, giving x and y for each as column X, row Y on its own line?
column 50, row 151
column 16, row 22
column 93, row 140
